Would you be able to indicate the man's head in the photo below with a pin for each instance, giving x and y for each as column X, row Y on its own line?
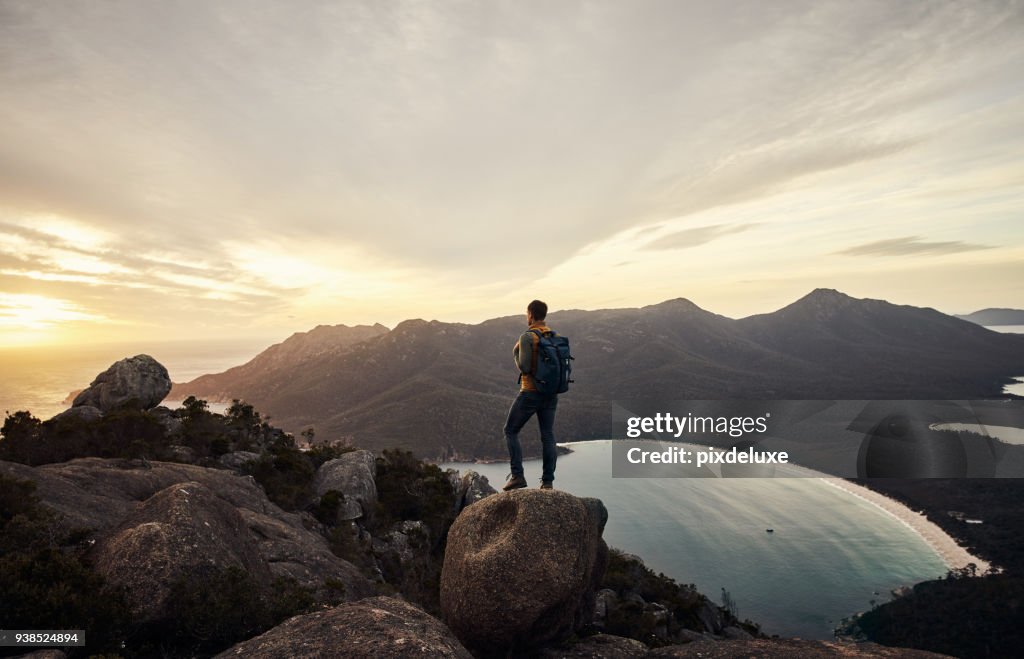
column 536, row 311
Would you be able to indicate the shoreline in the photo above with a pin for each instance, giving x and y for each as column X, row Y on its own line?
column 943, row 544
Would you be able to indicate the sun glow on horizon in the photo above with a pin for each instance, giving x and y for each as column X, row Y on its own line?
column 27, row 319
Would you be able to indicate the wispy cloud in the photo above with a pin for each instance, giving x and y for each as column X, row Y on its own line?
column 695, row 237
column 911, row 245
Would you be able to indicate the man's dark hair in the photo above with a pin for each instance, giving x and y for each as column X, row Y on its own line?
column 538, row 310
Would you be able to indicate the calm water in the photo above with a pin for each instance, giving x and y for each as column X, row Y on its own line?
column 828, row 557
column 39, row 379
column 1011, row 329
column 1018, row 387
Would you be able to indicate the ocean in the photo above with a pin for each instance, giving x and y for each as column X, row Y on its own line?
column 829, row 555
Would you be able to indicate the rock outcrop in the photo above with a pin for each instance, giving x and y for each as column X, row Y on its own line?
column 521, row 570
column 82, row 413
column 372, row 628
column 352, row 476
column 469, row 488
column 236, row 460
column 184, row 532
column 138, row 381
column 98, row 494
column 403, row 555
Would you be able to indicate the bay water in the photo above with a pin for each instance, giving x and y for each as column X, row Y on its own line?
column 830, row 554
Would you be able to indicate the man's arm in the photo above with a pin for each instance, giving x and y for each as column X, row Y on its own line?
column 525, row 354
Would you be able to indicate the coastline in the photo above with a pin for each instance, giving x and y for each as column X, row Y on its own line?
column 951, row 553
column 944, row 545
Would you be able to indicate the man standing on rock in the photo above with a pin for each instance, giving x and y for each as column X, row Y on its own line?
column 530, row 402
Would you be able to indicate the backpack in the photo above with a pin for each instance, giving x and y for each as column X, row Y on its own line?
column 554, row 364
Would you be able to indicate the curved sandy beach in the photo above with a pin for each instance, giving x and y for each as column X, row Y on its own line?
column 945, row 546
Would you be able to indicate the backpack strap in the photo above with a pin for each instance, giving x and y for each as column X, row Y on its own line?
column 533, row 356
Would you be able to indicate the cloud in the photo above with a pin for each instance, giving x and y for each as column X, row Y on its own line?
column 432, row 135
column 910, row 245
column 39, row 312
column 428, row 149
column 109, row 275
column 695, row 237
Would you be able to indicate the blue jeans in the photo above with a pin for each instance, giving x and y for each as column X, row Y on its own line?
column 526, row 404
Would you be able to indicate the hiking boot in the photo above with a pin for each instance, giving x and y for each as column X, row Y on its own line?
column 546, row 485
column 514, row 483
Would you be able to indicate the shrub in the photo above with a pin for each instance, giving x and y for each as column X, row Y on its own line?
column 285, row 473
column 20, row 439
column 322, row 453
column 408, row 489
column 213, row 613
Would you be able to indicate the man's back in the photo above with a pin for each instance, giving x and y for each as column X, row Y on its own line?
column 525, row 352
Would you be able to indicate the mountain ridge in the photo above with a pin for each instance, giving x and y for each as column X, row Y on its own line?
column 442, row 389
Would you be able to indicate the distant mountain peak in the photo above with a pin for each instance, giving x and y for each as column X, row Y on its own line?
column 676, row 304
column 411, row 324
column 825, row 294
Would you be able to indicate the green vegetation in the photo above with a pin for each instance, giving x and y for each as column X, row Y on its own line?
column 131, row 433
column 628, row 577
column 410, row 489
column 960, row 615
column 126, row 432
column 223, row 608
column 285, row 473
column 963, row 614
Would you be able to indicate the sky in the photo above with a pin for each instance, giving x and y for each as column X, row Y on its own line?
column 242, row 169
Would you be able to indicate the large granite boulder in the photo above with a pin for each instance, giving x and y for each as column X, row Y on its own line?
column 297, row 553
column 372, row 628
column 184, row 532
column 138, row 381
column 353, row 477
column 521, row 570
